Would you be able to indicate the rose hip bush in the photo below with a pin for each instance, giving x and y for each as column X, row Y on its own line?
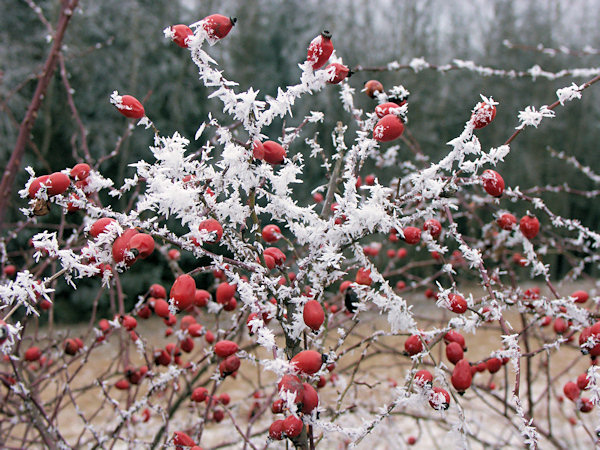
column 274, row 349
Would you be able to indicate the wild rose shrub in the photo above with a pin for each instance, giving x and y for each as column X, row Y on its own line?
column 292, row 281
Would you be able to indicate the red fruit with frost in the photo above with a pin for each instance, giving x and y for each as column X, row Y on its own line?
column 225, row 348
column 276, row 430
column 423, row 378
column 121, row 244
column 454, row 352
column 386, row 108
column 493, row 365
column 560, row 325
column 258, row 149
column 313, row 315
column 413, row 345
column 507, row 221
column 195, row 330
column 339, row 73
column 483, row 115
column 388, row 128
column 586, row 405
column 583, row 381
column 292, row 426
column 274, row 152
column 319, row 50
column 493, row 183
column 412, row 235
column 291, row 383
column 529, row 226
column 181, row 438
column 35, row 185
column 57, row 183
column 439, row 399
column 129, row 322
column 434, row 227
column 131, row 107
column 218, row 26
column 363, row 276
column 100, row 226
column 213, row 227
column 183, row 292
column 457, row 303
column 181, row 33
column 271, row 233
column 580, row 296
column 80, row 171
column 308, row 361
column 373, row 86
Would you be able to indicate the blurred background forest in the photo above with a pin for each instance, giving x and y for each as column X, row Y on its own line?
column 119, row 45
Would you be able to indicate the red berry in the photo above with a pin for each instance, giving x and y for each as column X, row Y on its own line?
column 224, row 399
column 412, row 235
column 141, row 244
column 461, row 376
column 571, row 391
column 129, row 322
column 70, row 346
column 229, row 365
column 195, row 330
column 560, row 325
column 319, row 50
column 292, row 426
column 586, row 405
column 507, row 221
column 363, row 276
column 483, row 115
column 180, row 35
column 583, row 381
column 493, row 183
column 291, row 383
column 411, row 440
column 201, row 298
column 10, row 270
column 218, row 26
column 386, row 108
column 277, row 406
column 100, row 226
column 225, row 348
column 310, row 399
column 402, row 252
column 493, row 365
column 33, row 354
column 130, row 107
column 209, row 337
column 121, row 244
column 274, row 153
column 434, row 227
column 413, row 345
column 370, row 180
column 439, row 398
column 277, row 255
column 122, row 384
column 187, row 345
column 373, row 86
column 339, row 73
column 580, row 296
column 174, row 254
column 457, row 303
column 80, row 171
column 271, row 233
column 529, row 226
column 258, row 149
column 35, row 185
column 308, row 361
column 214, row 228
column 57, row 183
column 161, row 308
column 158, row 291
column 318, row 197
column 454, row 352
column 180, row 438
column 183, row 292
column 313, row 315
column 225, row 292
column 276, row 430
column 388, row 128
column 423, row 377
